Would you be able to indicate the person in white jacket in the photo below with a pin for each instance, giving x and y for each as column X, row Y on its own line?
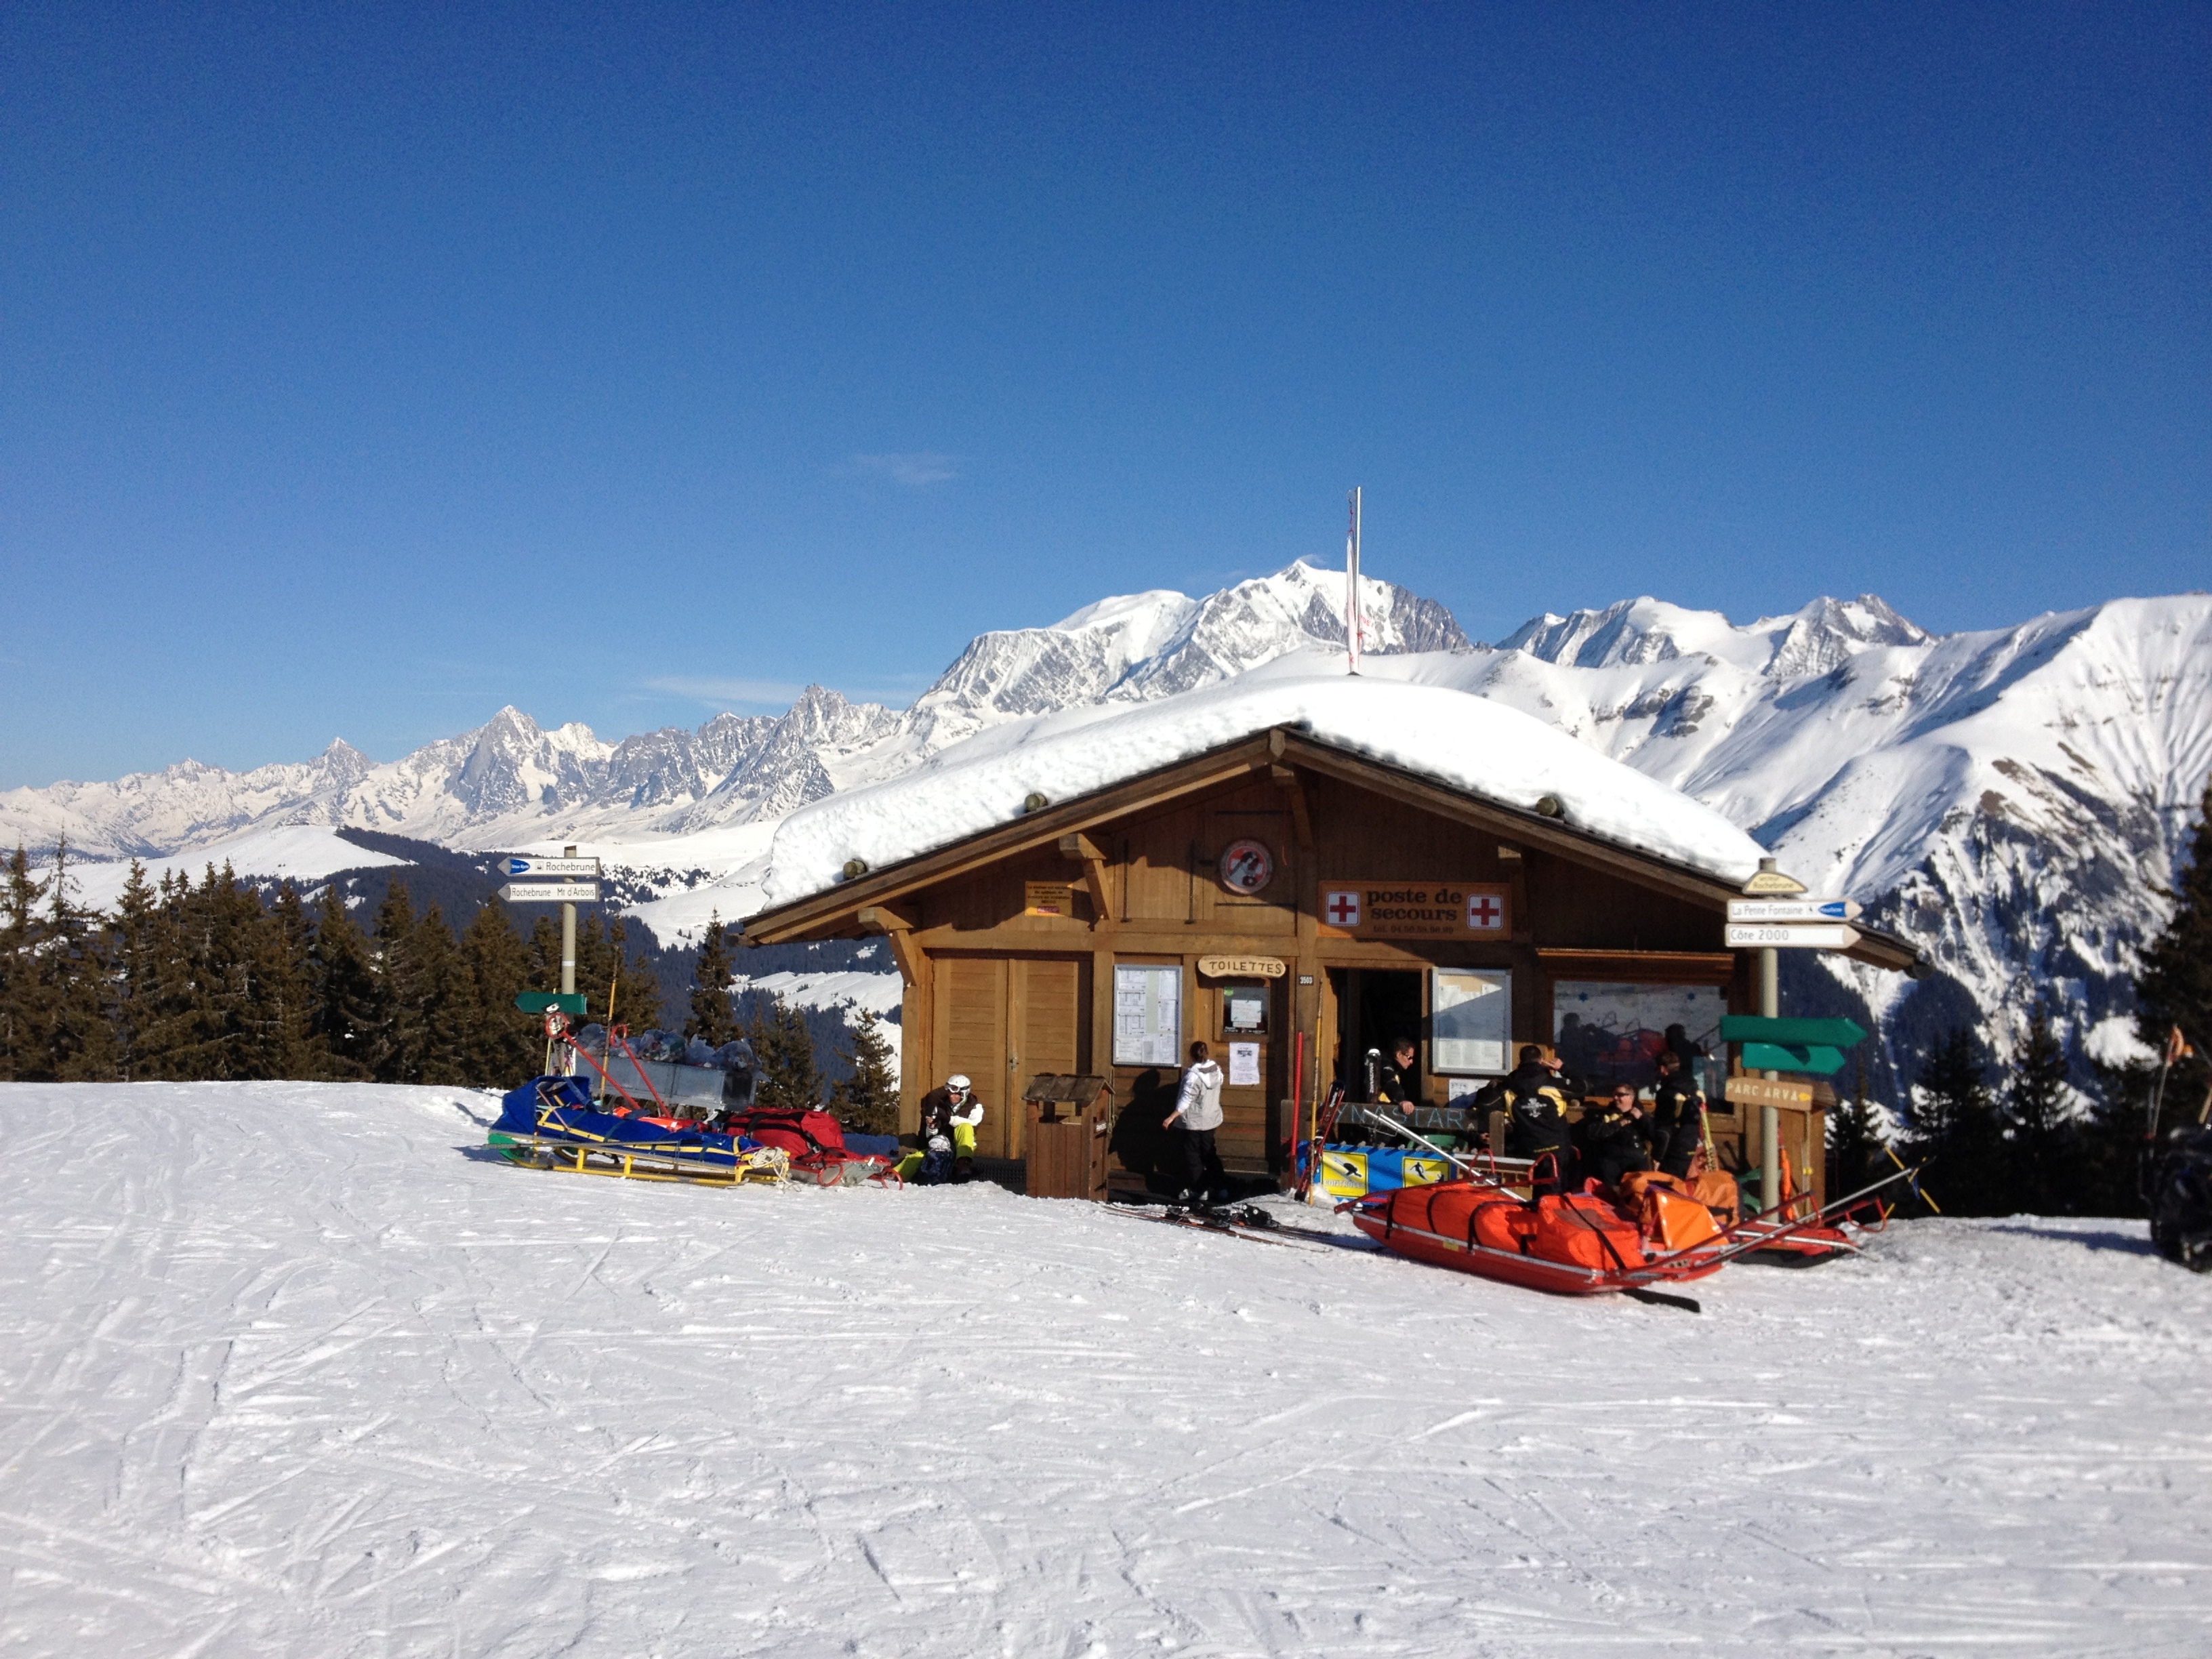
column 1197, row 1109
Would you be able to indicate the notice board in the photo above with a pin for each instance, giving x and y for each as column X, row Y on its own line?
column 1147, row 1014
column 1471, row 1021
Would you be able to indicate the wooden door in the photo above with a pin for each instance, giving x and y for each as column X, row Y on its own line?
column 1002, row 1021
column 1048, row 1019
column 971, row 1037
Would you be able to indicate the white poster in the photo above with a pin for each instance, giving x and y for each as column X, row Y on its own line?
column 1471, row 1021
column 1244, row 1064
column 1147, row 1014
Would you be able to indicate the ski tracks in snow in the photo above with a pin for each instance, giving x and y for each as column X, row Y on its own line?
column 293, row 1369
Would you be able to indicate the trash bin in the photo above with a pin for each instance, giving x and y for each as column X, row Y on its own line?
column 1071, row 1120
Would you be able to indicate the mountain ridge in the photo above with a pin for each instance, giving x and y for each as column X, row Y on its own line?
column 2012, row 799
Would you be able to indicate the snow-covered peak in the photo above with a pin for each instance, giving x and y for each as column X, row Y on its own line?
column 1815, row 640
column 1147, row 621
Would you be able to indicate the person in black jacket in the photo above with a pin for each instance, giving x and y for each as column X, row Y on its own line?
column 1678, row 1127
column 1610, row 1138
column 1397, row 1086
column 1536, row 1094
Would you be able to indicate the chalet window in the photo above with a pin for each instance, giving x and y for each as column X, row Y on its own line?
column 1612, row 1032
column 1470, row 1022
column 1244, row 1009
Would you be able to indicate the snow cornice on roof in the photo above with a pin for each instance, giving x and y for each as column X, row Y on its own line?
column 1468, row 745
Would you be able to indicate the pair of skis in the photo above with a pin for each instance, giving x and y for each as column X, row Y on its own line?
column 1245, row 1221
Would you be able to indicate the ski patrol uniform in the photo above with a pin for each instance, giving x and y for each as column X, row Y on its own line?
column 1677, row 1125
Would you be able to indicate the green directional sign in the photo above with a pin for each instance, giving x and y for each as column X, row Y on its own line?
column 1816, row 1058
column 1794, row 1033
column 539, row 1002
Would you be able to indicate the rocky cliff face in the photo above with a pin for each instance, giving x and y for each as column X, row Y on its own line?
column 2011, row 800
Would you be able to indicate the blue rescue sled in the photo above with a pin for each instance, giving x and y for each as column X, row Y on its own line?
column 553, row 1123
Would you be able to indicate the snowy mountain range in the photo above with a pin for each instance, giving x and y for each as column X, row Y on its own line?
column 2010, row 799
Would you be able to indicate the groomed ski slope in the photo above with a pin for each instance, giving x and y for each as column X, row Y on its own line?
column 291, row 1369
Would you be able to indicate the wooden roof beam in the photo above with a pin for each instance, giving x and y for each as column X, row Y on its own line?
column 1085, row 851
column 824, row 910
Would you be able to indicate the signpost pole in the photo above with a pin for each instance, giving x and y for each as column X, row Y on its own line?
column 567, row 939
column 1769, row 882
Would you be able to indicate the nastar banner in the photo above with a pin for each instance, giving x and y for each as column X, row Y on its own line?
column 1416, row 909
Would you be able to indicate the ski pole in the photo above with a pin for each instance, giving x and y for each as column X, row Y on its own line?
column 1918, row 1191
column 1472, row 1172
column 1813, row 1220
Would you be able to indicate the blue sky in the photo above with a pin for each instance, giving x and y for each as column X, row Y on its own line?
column 364, row 369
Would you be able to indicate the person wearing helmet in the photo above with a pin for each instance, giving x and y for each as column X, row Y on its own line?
column 953, row 1112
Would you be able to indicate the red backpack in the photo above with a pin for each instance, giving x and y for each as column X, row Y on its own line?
column 803, row 1133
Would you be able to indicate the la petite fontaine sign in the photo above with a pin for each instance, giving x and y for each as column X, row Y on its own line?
column 1416, row 909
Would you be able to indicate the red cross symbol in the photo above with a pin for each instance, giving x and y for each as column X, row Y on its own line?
column 1343, row 908
column 1483, row 914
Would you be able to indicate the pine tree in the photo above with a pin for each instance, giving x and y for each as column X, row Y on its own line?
column 73, row 972
column 1955, row 1128
column 345, row 1012
column 285, row 1002
column 506, row 1044
column 867, row 1102
column 783, row 1048
column 2114, row 1137
column 1857, row 1153
column 639, row 1008
column 233, row 924
column 24, row 1018
column 2174, row 987
column 2045, row 1143
column 207, row 967
column 713, row 1020
column 422, row 993
column 132, row 946
column 444, row 998
column 163, row 1032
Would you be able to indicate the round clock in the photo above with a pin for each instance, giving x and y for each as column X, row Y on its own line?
column 1246, row 866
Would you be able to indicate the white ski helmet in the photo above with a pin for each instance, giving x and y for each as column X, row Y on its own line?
column 958, row 1083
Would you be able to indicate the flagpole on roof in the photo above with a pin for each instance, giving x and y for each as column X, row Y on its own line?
column 1352, row 626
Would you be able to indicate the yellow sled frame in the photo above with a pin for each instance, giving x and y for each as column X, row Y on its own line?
column 763, row 1166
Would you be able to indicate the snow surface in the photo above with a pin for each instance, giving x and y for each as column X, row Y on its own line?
column 1466, row 742
column 303, row 852
column 295, row 1368
column 850, row 988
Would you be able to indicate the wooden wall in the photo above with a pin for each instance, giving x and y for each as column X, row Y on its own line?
column 1004, row 995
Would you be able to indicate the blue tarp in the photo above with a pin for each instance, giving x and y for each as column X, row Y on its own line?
column 559, row 1108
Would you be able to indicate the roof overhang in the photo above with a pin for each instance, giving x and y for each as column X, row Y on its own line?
column 835, row 912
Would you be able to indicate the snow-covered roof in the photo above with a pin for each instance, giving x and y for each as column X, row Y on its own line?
column 1463, row 742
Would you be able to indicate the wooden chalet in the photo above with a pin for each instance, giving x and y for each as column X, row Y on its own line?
column 1280, row 893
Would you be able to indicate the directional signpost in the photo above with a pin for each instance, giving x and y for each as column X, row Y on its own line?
column 549, row 1002
column 550, row 892
column 1815, row 1047
column 1780, row 936
column 567, row 894
column 536, row 867
column 1782, row 910
column 1777, row 913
